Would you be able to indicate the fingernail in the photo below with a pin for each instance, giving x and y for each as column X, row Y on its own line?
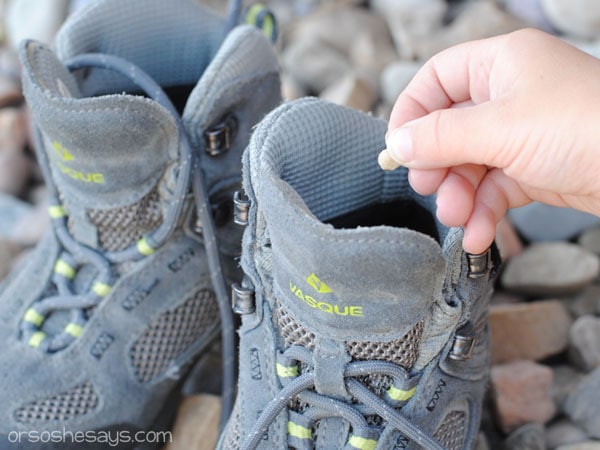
column 399, row 145
column 386, row 162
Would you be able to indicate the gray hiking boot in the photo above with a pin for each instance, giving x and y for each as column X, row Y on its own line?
column 363, row 321
column 102, row 323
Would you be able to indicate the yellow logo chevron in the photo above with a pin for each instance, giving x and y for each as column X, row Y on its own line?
column 62, row 152
column 317, row 284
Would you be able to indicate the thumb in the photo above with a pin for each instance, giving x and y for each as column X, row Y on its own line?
column 449, row 137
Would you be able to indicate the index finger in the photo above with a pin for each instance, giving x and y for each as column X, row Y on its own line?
column 456, row 75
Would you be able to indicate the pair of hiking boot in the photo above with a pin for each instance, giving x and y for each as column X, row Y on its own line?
column 363, row 323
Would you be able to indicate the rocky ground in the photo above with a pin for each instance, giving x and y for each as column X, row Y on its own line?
column 545, row 316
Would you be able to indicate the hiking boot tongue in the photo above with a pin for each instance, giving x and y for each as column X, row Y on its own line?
column 371, row 283
column 104, row 152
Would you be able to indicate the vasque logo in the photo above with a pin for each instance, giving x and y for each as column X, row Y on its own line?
column 96, row 178
column 65, row 155
column 317, row 284
column 62, row 152
column 329, row 308
column 436, row 395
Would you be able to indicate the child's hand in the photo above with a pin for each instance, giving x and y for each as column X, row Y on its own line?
column 498, row 123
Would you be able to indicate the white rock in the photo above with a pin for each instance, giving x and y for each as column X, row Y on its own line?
column 579, row 18
column 361, row 42
column 290, row 88
column 34, row 19
column 314, row 65
column 351, row 91
column 372, row 51
column 551, row 268
column 410, row 21
column 584, row 345
column 394, row 79
column 529, row 11
column 340, row 25
column 480, row 19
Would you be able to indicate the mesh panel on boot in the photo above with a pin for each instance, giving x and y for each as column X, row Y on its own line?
column 77, row 401
column 118, row 228
column 291, row 331
column 171, row 334
column 451, row 433
column 403, row 351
